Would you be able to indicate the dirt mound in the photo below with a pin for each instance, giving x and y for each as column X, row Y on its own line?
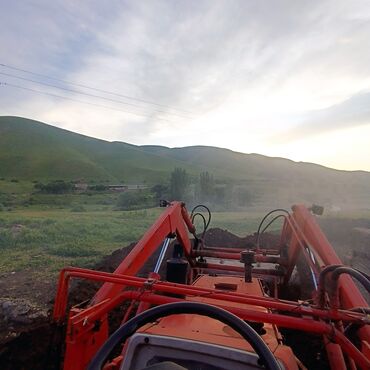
column 222, row 238
column 217, row 237
column 110, row 262
column 84, row 290
column 25, row 330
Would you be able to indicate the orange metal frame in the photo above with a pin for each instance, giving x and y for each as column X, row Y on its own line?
column 87, row 328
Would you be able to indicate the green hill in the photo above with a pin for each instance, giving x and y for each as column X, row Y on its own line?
column 32, row 150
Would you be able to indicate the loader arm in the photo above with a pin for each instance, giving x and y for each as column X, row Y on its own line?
column 175, row 221
column 227, row 286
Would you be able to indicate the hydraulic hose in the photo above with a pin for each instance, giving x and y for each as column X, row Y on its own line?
column 264, row 218
column 322, row 283
column 206, row 223
column 359, row 276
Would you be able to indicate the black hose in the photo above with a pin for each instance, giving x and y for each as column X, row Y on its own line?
column 354, row 273
column 131, row 326
column 325, row 271
column 337, row 270
column 363, row 273
column 206, row 208
column 264, row 218
column 322, row 283
column 267, row 226
column 271, row 222
column 206, row 223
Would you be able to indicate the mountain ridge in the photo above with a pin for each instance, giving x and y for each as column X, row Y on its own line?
column 33, row 150
column 180, row 147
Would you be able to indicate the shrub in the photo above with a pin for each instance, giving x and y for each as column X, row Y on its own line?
column 131, row 200
column 78, row 208
column 160, row 191
column 98, row 187
column 55, row 187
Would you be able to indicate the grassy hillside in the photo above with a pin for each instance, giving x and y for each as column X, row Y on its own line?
column 34, row 150
column 31, row 150
column 277, row 181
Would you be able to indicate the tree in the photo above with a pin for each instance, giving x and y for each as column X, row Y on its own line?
column 179, row 184
column 160, row 191
column 243, row 197
column 207, row 186
column 55, row 187
column 135, row 199
column 98, row 187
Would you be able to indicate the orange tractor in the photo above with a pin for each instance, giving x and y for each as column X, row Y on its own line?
column 220, row 308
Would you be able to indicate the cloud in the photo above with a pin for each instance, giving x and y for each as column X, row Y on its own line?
column 248, row 66
column 352, row 112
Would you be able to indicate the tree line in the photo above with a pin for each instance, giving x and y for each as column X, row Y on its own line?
column 204, row 188
column 183, row 187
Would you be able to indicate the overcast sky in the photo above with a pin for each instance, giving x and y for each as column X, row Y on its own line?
column 280, row 78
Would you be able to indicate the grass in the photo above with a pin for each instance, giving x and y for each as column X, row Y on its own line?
column 32, row 150
column 51, row 239
column 239, row 223
column 45, row 232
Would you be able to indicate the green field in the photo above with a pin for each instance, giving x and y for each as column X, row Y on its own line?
column 45, row 232
column 49, row 239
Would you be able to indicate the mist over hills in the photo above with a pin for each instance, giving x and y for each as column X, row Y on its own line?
column 32, row 150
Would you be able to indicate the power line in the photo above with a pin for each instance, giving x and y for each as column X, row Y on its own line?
column 78, row 101
column 94, row 88
column 87, row 94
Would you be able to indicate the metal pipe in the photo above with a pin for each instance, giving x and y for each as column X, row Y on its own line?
column 236, row 256
column 255, row 271
column 314, row 279
column 165, row 245
column 123, row 280
column 223, row 249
